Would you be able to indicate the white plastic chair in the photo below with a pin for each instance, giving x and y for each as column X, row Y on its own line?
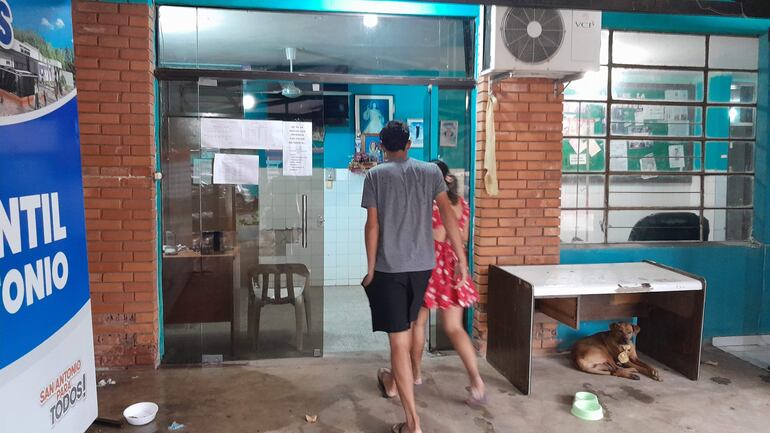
column 278, row 290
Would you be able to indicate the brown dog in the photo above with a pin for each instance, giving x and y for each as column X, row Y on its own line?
column 612, row 353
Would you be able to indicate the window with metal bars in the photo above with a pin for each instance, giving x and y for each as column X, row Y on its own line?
column 659, row 143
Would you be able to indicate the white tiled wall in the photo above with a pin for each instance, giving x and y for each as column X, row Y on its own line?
column 340, row 235
column 344, row 251
column 280, row 209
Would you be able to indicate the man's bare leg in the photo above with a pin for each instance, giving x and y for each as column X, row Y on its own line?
column 400, row 347
column 418, row 344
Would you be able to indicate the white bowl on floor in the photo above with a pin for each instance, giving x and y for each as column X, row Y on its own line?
column 141, row 413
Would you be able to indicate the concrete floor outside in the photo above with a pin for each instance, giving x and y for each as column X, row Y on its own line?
column 274, row 396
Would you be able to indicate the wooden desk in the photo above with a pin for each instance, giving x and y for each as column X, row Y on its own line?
column 187, row 254
column 233, row 254
column 202, row 288
column 668, row 303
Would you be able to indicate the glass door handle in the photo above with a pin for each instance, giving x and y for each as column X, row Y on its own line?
column 304, row 220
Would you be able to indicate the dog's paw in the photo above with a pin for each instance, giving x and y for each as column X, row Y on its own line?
column 656, row 375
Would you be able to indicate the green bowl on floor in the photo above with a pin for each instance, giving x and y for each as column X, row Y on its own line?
column 586, row 407
column 586, row 396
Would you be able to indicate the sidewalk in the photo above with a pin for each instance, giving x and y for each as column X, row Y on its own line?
column 275, row 396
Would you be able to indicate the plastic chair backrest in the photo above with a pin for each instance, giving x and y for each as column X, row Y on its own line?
column 260, row 274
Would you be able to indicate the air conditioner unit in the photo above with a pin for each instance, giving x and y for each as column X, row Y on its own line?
column 552, row 43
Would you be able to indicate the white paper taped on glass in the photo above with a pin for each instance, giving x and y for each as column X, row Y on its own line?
column 295, row 139
column 242, row 134
column 298, row 152
column 236, row 169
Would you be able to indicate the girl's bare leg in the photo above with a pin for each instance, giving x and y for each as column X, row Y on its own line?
column 461, row 342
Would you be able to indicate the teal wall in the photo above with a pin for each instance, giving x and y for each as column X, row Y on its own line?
column 409, row 101
column 684, row 23
column 451, row 106
column 762, row 175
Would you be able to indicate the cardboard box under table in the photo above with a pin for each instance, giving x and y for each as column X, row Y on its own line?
column 668, row 303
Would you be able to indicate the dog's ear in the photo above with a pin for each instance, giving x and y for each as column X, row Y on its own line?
column 637, row 329
column 615, row 326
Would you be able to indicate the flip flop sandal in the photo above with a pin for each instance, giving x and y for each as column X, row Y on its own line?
column 398, row 428
column 475, row 402
column 381, row 384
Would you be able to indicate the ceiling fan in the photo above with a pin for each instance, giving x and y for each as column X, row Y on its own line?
column 288, row 88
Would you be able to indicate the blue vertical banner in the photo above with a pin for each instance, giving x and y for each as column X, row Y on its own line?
column 46, row 339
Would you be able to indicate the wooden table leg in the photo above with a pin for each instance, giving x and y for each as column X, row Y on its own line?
column 672, row 333
column 510, row 313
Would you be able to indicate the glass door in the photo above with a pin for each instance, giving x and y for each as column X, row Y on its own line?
column 454, row 146
column 242, row 234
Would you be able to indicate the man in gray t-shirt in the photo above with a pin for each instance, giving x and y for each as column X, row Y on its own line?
column 398, row 197
column 402, row 191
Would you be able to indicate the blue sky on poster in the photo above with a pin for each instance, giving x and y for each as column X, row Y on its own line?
column 51, row 19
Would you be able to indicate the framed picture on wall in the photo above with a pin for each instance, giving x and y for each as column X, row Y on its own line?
column 371, row 143
column 416, row 132
column 318, row 132
column 449, row 131
column 373, row 112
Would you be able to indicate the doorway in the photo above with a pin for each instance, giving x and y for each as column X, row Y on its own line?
column 220, row 240
column 347, row 319
column 242, row 260
column 270, row 267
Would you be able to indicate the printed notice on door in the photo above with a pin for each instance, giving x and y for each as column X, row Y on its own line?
column 236, row 169
column 242, row 134
column 264, row 134
column 298, row 149
column 222, row 134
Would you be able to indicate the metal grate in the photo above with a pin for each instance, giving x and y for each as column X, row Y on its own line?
column 532, row 35
column 607, row 172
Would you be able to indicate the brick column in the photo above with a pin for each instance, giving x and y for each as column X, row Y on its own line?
column 521, row 224
column 116, row 103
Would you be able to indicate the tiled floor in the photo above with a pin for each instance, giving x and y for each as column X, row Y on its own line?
column 755, row 349
column 339, row 313
column 348, row 322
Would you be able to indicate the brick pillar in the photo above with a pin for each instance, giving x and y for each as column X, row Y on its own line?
column 116, row 104
column 521, row 224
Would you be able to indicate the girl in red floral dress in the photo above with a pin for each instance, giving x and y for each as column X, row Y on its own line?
column 449, row 295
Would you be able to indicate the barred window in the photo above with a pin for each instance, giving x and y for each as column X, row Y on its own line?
column 659, row 143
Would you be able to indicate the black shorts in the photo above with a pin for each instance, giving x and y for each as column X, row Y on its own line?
column 395, row 299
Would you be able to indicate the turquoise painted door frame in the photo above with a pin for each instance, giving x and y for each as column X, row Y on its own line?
column 340, row 6
column 434, row 123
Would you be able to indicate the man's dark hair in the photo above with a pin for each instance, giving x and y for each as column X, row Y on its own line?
column 394, row 136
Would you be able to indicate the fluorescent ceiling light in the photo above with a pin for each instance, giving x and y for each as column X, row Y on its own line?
column 187, row 20
column 249, row 102
column 370, row 21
